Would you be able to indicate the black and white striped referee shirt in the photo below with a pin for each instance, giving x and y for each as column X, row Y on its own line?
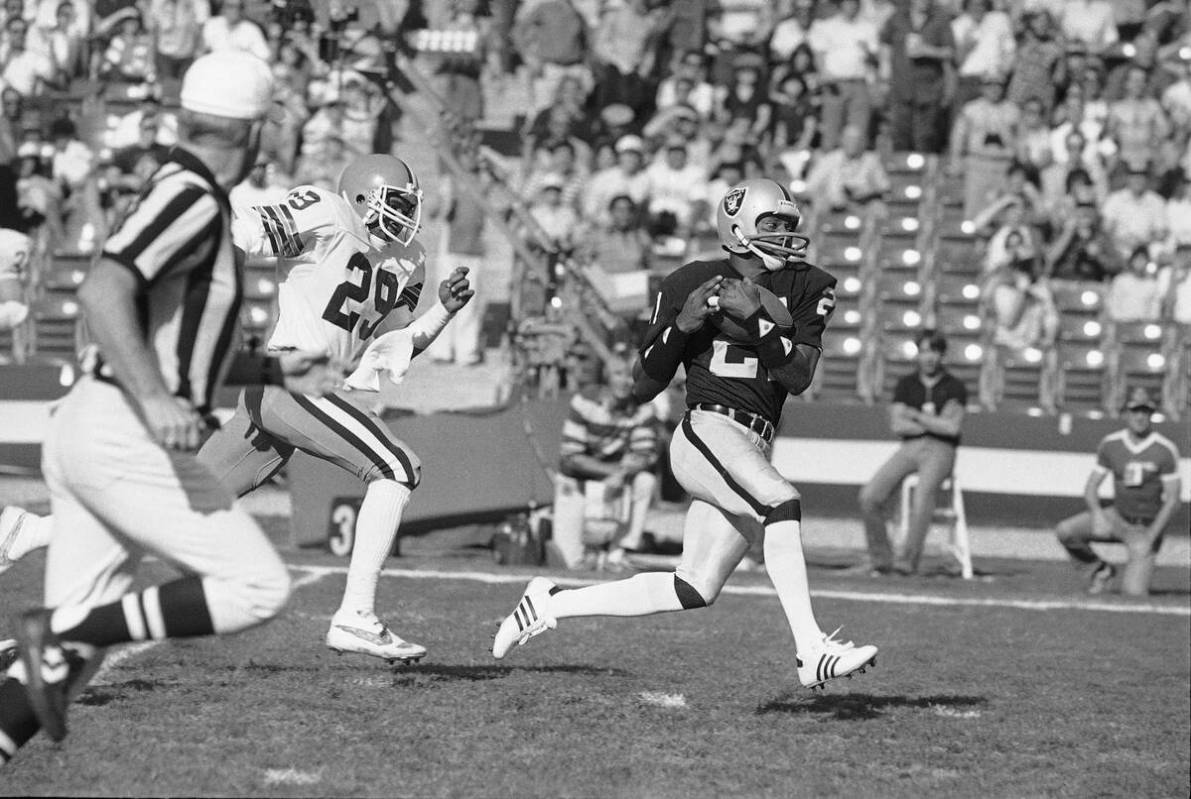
column 177, row 240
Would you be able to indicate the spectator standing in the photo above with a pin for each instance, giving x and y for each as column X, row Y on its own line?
column 22, row 68
column 462, row 244
column 916, row 58
column 984, row 44
column 927, row 414
column 608, row 449
column 1033, row 136
column 229, row 29
column 791, row 31
column 747, row 98
column 1144, row 467
column 63, row 43
column 473, row 53
column 845, row 46
column 622, row 42
column 983, row 142
column 847, row 178
column 1039, row 65
column 1135, row 295
column 551, row 37
column 178, row 29
column 1136, row 122
column 1089, row 23
column 1135, row 215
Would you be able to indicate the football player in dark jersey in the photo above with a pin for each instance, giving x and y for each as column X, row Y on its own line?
column 747, row 328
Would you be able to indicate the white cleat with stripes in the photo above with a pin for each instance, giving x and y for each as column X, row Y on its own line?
column 365, row 634
column 831, row 659
column 531, row 617
column 12, row 523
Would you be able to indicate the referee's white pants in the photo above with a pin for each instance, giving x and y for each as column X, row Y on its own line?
column 117, row 495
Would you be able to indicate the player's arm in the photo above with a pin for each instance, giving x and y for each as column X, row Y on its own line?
column 665, row 342
column 1171, row 488
column 1091, row 491
column 284, row 229
column 901, row 423
column 791, row 357
column 947, row 423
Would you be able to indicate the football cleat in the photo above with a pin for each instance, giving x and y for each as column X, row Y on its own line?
column 9, row 653
column 531, row 617
column 831, row 659
column 12, row 519
column 365, row 634
column 1101, row 578
column 46, row 671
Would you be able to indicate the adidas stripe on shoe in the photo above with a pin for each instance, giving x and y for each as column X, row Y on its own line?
column 531, row 617
column 831, row 659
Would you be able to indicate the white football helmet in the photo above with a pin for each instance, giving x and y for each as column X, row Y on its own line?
column 386, row 194
column 741, row 209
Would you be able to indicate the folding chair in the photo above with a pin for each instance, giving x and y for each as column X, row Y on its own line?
column 958, row 545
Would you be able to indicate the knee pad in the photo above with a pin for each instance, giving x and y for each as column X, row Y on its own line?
column 688, row 596
column 788, row 511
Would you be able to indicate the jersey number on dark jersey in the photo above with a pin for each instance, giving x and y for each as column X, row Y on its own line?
column 355, row 293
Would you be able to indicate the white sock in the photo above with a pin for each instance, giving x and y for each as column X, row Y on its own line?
column 640, row 595
column 376, row 530
column 34, row 533
column 787, row 570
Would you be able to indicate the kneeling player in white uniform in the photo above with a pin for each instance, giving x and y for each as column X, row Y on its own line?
column 743, row 357
column 350, row 262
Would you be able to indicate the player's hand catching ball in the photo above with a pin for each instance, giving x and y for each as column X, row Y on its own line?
column 315, row 374
column 698, row 307
column 455, row 291
column 173, row 421
column 739, row 298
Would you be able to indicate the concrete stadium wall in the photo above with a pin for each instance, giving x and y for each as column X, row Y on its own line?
column 1014, row 469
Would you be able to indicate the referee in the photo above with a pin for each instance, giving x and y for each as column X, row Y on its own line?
column 162, row 306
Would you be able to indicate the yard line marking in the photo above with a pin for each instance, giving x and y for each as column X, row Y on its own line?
column 767, row 591
column 953, row 713
column 291, row 776
column 663, row 699
column 131, row 650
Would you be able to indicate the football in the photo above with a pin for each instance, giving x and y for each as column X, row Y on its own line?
column 774, row 308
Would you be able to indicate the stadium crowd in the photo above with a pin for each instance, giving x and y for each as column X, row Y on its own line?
column 1065, row 124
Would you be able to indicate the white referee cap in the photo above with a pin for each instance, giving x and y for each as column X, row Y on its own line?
column 228, row 83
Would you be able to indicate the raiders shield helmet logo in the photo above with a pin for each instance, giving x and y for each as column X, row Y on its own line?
column 733, row 201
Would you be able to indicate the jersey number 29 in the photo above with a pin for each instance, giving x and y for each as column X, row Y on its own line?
column 344, row 308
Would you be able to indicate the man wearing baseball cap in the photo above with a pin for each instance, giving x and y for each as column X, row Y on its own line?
column 1144, row 468
column 161, row 304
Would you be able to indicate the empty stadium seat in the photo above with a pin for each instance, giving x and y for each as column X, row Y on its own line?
column 257, row 316
column 1138, row 358
column 959, row 254
column 836, row 247
column 1078, row 299
column 840, row 222
column 839, row 370
column 1021, row 378
column 56, row 320
column 1081, row 376
column 896, row 357
column 66, row 271
column 260, row 284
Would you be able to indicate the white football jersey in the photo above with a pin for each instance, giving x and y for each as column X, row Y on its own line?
column 339, row 283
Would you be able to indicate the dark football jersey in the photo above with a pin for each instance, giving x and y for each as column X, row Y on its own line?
column 723, row 371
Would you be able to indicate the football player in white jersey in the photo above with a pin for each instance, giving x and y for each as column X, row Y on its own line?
column 350, row 262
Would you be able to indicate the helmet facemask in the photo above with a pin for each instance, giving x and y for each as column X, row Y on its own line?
column 393, row 214
column 778, row 248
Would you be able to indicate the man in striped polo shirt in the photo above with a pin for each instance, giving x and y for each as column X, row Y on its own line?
column 162, row 305
column 1144, row 467
column 609, row 446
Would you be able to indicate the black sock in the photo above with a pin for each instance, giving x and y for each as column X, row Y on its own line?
column 17, row 722
column 174, row 610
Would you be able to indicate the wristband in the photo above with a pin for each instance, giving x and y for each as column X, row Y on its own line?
column 661, row 358
column 773, row 349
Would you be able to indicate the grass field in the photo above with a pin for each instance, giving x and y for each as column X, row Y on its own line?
column 1012, row 686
